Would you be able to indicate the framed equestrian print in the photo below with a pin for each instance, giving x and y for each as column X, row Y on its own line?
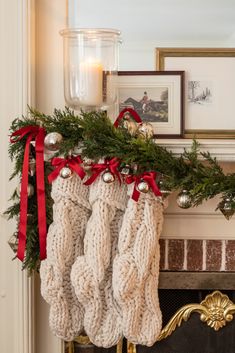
column 157, row 96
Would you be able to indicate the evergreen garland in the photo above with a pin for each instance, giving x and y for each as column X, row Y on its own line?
column 94, row 135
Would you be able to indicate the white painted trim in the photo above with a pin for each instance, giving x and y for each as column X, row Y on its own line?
column 223, row 150
column 26, row 42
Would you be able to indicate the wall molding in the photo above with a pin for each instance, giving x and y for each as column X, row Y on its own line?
column 223, row 150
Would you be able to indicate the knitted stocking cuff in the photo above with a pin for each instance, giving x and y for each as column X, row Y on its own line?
column 92, row 273
column 64, row 244
column 136, row 271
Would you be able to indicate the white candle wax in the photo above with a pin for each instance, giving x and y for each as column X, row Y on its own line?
column 91, row 83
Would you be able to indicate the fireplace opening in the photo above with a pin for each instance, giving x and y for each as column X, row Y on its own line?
column 209, row 329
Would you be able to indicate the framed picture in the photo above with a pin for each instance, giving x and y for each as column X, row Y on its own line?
column 209, row 88
column 157, row 97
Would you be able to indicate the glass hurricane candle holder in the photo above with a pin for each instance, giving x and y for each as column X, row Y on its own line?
column 90, row 67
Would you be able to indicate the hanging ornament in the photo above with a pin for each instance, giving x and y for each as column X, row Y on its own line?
column 125, row 170
column 145, row 130
column 32, row 166
column 87, row 163
column 143, row 187
column 13, row 242
column 30, row 190
column 131, row 126
column 184, row 200
column 164, row 190
column 108, row 177
column 226, row 207
column 52, row 141
column 66, row 173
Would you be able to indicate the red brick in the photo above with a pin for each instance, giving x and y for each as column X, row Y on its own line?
column 230, row 255
column 194, row 255
column 162, row 254
column 213, row 255
column 176, row 254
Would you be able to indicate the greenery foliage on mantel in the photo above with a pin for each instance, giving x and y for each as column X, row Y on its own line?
column 93, row 135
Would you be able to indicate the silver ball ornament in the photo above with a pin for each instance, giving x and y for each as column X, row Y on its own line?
column 145, row 130
column 87, row 163
column 184, row 200
column 143, row 187
column 52, row 141
column 108, row 177
column 125, row 170
column 225, row 206
column 66, row 173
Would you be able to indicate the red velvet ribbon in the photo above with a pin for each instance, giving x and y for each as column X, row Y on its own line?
column 71, row 162
column 133, row 113
column 111, row 165
column 148, row 177
column 38, row 133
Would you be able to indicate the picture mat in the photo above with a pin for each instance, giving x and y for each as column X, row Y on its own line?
column 143, row 82
column 220, row 72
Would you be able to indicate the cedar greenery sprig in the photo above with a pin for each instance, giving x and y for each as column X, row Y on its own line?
column 93, row 134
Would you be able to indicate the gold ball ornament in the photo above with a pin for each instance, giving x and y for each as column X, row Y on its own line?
column 145, row 130
column 66, row 173
column 131, row 126
column 143, row 187
column 108, row 177
column 52, row 141
column 184, row 200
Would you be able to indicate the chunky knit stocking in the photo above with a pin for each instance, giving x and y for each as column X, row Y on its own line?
column 136, row 269
column 64, row 244
column 92, row 273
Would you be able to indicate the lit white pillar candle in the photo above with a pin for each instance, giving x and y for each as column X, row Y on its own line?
column 91, row 83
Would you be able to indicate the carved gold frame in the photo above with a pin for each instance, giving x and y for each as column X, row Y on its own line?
column 162, row 53
column 216, row 310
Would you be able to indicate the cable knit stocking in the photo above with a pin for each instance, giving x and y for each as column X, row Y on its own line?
column 92, row 273
column 136, row 269
column 64, row 244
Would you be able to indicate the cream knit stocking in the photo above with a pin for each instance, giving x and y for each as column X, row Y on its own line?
column 92, row 273
column 136, row 269
column 64, row 244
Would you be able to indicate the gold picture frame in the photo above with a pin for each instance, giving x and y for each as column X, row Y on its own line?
column 213, row 68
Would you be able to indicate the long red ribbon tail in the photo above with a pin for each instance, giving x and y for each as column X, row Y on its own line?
column 24, row 201
column 42, row 225
column 133, row 113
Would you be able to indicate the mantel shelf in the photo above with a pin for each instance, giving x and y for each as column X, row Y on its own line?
column 223, row 150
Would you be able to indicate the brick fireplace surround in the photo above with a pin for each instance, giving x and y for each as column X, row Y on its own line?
column 197, row 255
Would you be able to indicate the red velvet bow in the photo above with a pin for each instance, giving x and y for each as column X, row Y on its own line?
column 133, row 113
column 38, row 133
column 111, row 165
column 148, row 177
column 71, row 162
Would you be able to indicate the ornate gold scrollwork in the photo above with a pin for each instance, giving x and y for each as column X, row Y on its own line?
column 216, row 310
